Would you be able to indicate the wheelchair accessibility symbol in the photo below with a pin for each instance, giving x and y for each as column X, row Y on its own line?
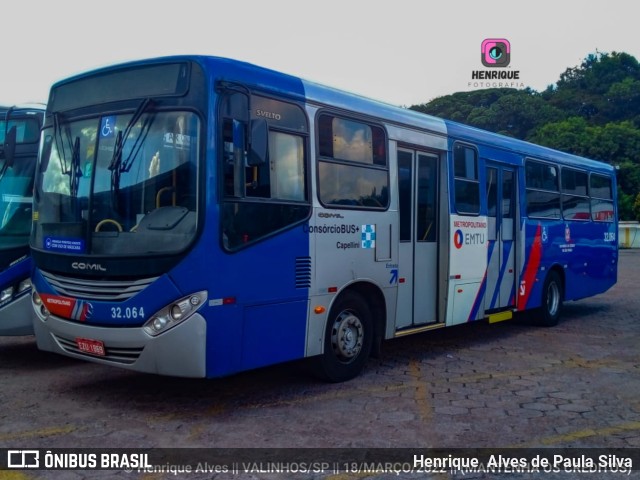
column 107, row 127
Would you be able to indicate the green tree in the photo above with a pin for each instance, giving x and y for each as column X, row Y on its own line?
column 615, row 143
column 636, row 207
column 593, row 111
column 516, row 113
column 602, row 89
column 570, row 135
column 458, row 106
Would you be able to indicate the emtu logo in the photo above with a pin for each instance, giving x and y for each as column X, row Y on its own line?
column 496, row 52
column 458, row 239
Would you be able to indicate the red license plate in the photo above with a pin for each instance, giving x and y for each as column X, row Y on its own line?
column 92, row 347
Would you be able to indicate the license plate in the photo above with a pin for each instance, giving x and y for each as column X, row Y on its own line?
column 92, row 347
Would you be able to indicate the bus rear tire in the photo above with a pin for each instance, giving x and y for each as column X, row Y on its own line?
column 552, row 294
column 348, row 339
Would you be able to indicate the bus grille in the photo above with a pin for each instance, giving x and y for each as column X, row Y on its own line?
column 109, row 290
column 126, row 356
column 303, row 272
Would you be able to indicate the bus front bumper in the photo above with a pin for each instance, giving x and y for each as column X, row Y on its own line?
column 16, row 318
column 180, row 351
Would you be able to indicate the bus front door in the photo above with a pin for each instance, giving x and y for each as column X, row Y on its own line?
column 501, row 189
column 418, row 252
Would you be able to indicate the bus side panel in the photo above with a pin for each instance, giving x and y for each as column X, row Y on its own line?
column 15, row 313
column 468, row 268
column 592, row 265
column 273, row 333
column 583, row 250
column 257, row 300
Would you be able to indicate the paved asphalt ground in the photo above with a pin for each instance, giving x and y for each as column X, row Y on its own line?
column 504, row 385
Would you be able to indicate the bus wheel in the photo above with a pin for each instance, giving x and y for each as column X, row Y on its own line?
column 551, row 299
column 348, row 339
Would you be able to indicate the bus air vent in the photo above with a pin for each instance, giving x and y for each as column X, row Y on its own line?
column 303, row 272
column 108, row 290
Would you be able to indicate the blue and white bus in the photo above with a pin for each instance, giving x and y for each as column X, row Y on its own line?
column 19, row 138
column 199, row 216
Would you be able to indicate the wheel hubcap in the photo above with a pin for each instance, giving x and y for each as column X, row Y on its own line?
column 347, row 336
column 553, row 299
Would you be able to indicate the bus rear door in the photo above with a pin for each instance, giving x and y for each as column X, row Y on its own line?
column 418, row 255
column 501, row 251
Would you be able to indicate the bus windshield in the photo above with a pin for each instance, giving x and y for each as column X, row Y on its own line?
column 16, row 185
column 118, row 184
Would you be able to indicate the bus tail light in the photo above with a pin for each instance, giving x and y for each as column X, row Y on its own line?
column 175, row 313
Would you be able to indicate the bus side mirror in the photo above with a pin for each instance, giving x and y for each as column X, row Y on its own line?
column 238, row 136
column 259, row 148
column 10, row 147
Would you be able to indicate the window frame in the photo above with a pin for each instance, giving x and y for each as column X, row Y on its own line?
column 266, row 205
column 475, row 181
column 323, row 159
column 542, row 189
column 564, row 194
column 609, row 199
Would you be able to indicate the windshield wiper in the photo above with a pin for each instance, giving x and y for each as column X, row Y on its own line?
column 116, row 159
column 57, row 134
column 117, row 164
column 75, row 172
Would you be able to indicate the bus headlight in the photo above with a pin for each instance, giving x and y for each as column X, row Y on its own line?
column 24, row 285
column 175, row 313
column 14, row 290
column 38, row 306
column 6, row 294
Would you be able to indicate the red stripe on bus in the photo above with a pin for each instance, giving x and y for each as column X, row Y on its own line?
column 528, row 279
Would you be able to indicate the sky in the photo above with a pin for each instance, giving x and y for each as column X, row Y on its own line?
column 403, row 52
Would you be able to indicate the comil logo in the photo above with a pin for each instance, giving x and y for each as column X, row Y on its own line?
column 496, row 52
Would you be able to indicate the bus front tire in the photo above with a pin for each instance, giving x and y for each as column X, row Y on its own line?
column 348, row 339
column 552, row 294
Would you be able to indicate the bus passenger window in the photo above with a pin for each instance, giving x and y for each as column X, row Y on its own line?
column 466, row 185
column 265, row 198
column 601, row 191
column 353, row 169
column 543, row 192
column 575, row 203
column 287, row 165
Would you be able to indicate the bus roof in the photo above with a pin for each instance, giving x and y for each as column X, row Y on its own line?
column 23, row 108
column 311, row 92
column 478, row 136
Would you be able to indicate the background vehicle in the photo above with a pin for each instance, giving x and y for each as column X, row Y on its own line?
column 19, row 137
column 198, row 216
